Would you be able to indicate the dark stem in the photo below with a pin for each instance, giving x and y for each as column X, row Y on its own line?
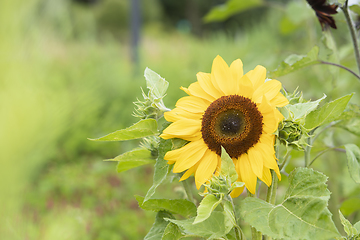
column 352, row 32
column 340, row 66
column 324, row 151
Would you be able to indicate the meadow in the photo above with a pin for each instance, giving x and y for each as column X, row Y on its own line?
column 62, row 84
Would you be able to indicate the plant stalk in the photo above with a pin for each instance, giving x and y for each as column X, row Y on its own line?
column 352, row 32
column 188, row 191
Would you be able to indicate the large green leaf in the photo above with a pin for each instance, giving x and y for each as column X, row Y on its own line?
column 232, row 7
column 132, row 159
column 298, row 111
column 178, row 206
column 171, row 232
column 329, row 112
column 207, row 205
column 159, row 226
column 143, row 128
column 353, row 157
column 216, row 226
column 302, row 215
column 295, row 62
column 161, row 167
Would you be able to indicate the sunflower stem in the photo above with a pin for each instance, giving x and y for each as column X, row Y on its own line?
column 188, row 191
column 352, row 32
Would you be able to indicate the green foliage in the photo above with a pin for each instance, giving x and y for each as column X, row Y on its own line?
column 161, row 167
column 227, row 167
column 171, row 232
column 355, row 8
column 295, row 62
column 231, row 7
column 351, row 119
column 206, row 207
column 216, row 226
column 329, row 112
column 159, row 226
column 350, row 206
column 302, row 215
column 353, row 157
column 141, row 129
column 175, row 206
column 348, row 228
column 134, row 158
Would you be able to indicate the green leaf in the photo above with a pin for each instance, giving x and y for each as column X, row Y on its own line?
column 355, row 8
column 132, row 159
column 161, row 167
column 159, row 226
column 206, row 207
column 357, row 226
column 295, row 62
column 351, row 119
column 227, row 166
column 143, row 128
column 353, row 157
column 302, row 215
column 216, row 226
column 348, row 228
column 155, row 83
column 232, row 7
column 175, row 206
column 300, row 110
column 172, row 232
column 329, row 112
column 350, row 206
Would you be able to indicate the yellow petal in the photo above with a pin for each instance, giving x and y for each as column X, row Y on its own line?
column 204, row 80
column 206, row 168
column 236, row 192
column 266, row 178
column 245, row 87
column 188, row 173
column 270, row 89
column 257, row 76
column 247, row 175
column 196, row 90
column 222, row 77
column 256, row 161
column 269, row 119
column 236, row 69
column 185, row 90
column 191, row 154
column 192, row 104
column 178, row 113
column 183, row 128
column 268, row 153
column 279, row 100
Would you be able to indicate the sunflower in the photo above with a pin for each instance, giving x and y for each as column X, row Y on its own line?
column 227, row 108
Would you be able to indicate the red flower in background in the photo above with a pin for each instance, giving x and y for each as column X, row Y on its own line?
column 323, row 12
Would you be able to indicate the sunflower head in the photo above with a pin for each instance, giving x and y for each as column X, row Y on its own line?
column 229, row 109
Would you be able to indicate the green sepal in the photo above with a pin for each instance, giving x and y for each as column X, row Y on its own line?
column 141, row 129
column 206, row 207
column 216, row 226
column 132, row 159
column 353, row 157
column 227, row 167
column 348, row 228
column 162, row 168
column 231, row 7
column 329, row 112
column 295, row 62
column 174, row 206
column 157, row 230
column 302, row 215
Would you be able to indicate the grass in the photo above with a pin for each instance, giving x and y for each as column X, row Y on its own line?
column 56, row 92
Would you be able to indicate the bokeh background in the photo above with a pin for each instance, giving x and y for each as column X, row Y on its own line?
column 71, row 69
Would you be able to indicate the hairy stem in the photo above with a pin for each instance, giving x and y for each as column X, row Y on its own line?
column 352, row 32
column 188, row 191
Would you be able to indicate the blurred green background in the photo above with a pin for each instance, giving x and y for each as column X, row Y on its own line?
column 68, row 72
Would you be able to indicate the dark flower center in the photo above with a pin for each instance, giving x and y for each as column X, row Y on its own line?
column 233, row 122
